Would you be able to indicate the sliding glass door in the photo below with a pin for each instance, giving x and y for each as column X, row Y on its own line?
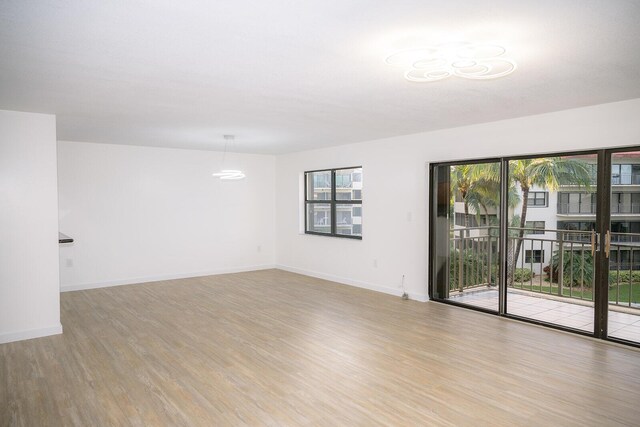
column 622, row 247
column 552, row 240
column 548, row 239
column 466, row 202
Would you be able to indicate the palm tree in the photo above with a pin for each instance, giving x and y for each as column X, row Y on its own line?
column 545, row 172
column 461, row 179
column 482, row 195
column 484, row 192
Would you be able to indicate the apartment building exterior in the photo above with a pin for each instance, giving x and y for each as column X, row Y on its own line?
column 571, row 208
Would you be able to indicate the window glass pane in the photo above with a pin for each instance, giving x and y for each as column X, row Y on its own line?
column 349, row 184
column 464, row 218
column 535, row 256
column 537, row 198
column 563, row 203
column 534, row 227
column 346, row 221
column 319, row 217
column 319, row 185
column 625, row 174
column 593, row 172
column 557, row 269
column 615, row 174
column 635, row 203
column 635, row 174
column 585, row 204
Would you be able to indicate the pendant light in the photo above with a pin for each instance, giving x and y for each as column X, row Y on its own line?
column 228, row 174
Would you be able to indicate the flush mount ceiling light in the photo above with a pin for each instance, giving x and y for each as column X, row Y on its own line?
column 473, row 61
column 228, row 174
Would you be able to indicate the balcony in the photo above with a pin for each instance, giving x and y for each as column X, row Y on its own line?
column 556, row 284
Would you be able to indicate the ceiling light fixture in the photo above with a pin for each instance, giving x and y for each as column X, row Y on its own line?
column 473, row 61
column 228, row 174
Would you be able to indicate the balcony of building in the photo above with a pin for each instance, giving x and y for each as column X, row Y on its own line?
column 552, row 280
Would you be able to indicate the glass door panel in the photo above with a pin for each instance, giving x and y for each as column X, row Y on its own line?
column 623, row 247
column 465, row 229
column 551, row 240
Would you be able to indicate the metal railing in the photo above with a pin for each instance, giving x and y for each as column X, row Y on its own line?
column 561, row 266
column 625, row 208
column 473, row 258
column 566, row 208
column 588, row 208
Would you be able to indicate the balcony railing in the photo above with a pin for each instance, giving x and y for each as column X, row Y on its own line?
column 590, row 208
column 576, row 208
column 560, row 267
column 625, row 179
column 624, row 208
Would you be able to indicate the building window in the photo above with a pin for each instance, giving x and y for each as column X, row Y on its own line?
column 625, row 174
column 537, row 199
column 535, row 256
column 534, row 227
column 333, row 202
column 576, row 203
column 472, row 220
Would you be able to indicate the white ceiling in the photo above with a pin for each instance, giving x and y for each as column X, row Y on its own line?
column 287, row 75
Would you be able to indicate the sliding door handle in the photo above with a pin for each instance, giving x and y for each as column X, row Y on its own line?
column 607, row 244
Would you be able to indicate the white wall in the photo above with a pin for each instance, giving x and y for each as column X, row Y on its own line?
column 29, row 281
column 140, row 214
column 396, row 188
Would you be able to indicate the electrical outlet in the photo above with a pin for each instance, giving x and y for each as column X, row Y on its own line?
column 69, row 262
column 375, row 263
column 259, row 248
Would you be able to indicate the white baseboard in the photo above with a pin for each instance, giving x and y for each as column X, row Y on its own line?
column 137, row 280
column 31, row 333
column 356, row 283
column 330, row 277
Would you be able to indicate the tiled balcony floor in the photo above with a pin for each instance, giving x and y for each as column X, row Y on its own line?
column 564, row 313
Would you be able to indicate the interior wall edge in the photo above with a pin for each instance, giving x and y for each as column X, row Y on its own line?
column 30, row 334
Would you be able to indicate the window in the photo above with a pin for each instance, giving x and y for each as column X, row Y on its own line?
column 535, row 256
column 537, row 199
column 621, row 174
column 472, row 220
column 460, row 219
column 333, row 202
column 534, row 227
column 625, row 203
column 593, row 172
column 577, row 203
column 625, row 174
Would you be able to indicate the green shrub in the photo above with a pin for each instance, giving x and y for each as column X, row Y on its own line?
column 523, row 275
column 577, row 267
column 625, row 276
column 475, row 269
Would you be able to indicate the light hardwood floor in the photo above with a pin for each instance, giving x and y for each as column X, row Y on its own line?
column 276, row 348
